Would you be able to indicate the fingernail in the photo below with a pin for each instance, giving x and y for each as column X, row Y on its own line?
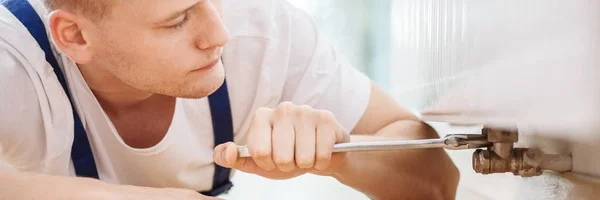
column 224, row 155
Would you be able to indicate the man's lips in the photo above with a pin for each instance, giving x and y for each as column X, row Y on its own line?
column 207, row 67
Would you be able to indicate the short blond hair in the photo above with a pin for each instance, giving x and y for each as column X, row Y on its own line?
column 89, row 8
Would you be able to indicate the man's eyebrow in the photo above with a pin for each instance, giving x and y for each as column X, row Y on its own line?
column 176, row 14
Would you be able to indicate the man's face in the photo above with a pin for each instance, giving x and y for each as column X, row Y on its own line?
column 167, row 47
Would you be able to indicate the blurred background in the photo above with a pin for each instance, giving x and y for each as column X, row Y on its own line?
column 418, row 50
column 412, row 48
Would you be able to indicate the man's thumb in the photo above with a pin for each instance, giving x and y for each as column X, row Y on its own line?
column 226, row 155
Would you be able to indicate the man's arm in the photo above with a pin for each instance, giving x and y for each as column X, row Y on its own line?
column 403, row 174
column 22, row 185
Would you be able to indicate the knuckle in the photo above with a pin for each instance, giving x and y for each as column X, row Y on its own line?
column 286, row 105
column 284, row 109
column 303, row 111
column 325, row 116
column 306, row 108
column 263, row 111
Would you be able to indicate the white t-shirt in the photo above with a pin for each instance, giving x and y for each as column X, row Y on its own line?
column 275, row 55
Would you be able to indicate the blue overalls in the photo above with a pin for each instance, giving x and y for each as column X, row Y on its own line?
column 81, row 153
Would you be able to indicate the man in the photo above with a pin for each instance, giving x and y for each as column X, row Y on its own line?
column 139, row 72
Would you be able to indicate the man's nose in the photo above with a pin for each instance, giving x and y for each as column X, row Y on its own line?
column 212, row 31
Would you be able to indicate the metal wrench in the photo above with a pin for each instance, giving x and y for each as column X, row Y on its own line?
column 450, row 142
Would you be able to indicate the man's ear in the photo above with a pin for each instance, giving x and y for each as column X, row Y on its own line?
column 68, row 35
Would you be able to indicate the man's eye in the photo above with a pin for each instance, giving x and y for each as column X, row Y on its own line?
column 180, row 24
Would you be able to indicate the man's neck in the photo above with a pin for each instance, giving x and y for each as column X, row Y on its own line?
column 120, row 101
column 113, row 94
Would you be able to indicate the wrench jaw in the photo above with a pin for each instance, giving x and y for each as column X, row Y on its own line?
column 466, row 141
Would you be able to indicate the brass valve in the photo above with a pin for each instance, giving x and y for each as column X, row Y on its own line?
column 502, row 157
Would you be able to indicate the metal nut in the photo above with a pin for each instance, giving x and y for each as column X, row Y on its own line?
column 487, row 162
column 502, row 135
column 481, row 161
column 522, row 168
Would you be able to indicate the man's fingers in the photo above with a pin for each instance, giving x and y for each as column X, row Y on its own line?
column 284, row 138
column 342, row 135
column 259, row 139
column 326, row 140
column 326, row 117
column 305, row 138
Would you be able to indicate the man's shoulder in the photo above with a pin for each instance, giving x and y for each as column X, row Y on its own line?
column 14, row 74
column 9, row 22
column 16, row 38
column 19, row 105
column 22, row 63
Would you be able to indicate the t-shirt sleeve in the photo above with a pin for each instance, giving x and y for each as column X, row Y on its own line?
column 321, row 77
column 20, row 121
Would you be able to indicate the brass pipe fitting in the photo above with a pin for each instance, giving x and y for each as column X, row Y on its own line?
column 502, row 157
column 502, row 140
column 488, row 162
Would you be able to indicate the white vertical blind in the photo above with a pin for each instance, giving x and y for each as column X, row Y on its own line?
column 438, row 44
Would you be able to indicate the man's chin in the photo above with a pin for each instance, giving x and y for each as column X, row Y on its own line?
column 196, row 91
column 196, row 85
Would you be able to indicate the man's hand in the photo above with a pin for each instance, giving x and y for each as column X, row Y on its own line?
column 286, row 142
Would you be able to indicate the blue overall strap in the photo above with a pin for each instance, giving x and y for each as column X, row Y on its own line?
column 222, row 121
column 81, row 153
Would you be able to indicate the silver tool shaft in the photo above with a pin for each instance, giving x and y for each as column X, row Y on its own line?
column 450, row 142
column 389, row 145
